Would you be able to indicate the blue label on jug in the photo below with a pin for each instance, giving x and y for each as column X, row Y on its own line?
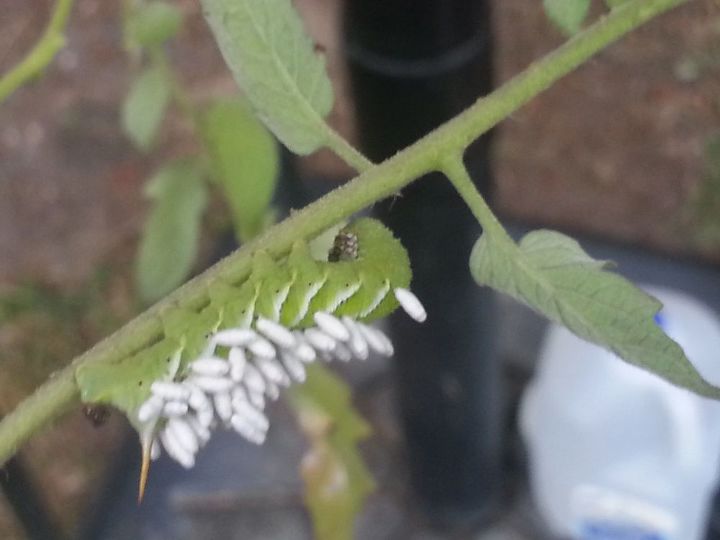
column 608, row 530
column 603, row 513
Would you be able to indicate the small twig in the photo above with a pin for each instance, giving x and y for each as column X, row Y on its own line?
column 52, row 40
column 456, row 172
column 348, row 153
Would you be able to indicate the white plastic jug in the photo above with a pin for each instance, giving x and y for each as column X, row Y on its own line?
column 615, row 452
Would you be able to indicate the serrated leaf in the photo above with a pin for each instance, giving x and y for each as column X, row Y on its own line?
column 551, row 273
column 337, row 481
column 153, row 23
column 567, row 15
column 275, row 63
column 144, row 107
column 169, row 243
column 244, row 160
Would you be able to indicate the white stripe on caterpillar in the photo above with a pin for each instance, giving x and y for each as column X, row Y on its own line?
column 279, row 300
column 377, row 300
column 342, row 295
column 311, row 293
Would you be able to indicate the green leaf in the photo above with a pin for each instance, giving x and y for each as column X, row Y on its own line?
column 551, row 273
column 567, row 15
column 153, row 23
column 337, row 481
column 169, row 243
column 612, row 4
column 144, row 107
column 275, row 63
column 244, row 160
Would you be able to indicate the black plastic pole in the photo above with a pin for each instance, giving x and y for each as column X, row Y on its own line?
column 414, row 64
column 25, row 499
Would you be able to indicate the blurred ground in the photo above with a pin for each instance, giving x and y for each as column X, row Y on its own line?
column 613, row 150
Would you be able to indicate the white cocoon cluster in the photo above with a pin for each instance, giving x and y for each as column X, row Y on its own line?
column 227, row 385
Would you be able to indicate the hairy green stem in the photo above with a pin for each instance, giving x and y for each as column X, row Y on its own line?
column 376, row 182
column 41, row 54
column 486, row 112
column 455, row 171
column 60, row 391
column 346, row 151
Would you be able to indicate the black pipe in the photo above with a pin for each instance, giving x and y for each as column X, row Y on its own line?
column 26, row 502
column 414, row 64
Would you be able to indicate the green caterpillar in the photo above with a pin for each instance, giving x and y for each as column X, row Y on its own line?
column 290, row 291
column 217, row 364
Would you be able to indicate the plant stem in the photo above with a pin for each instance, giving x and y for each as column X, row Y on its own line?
column 346, row 151
column 378, row 181
column 60, row 391
column 455, row 171
column 540, row 75
column 41, row 54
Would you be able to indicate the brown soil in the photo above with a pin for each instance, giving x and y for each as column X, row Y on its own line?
column 615, row 148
